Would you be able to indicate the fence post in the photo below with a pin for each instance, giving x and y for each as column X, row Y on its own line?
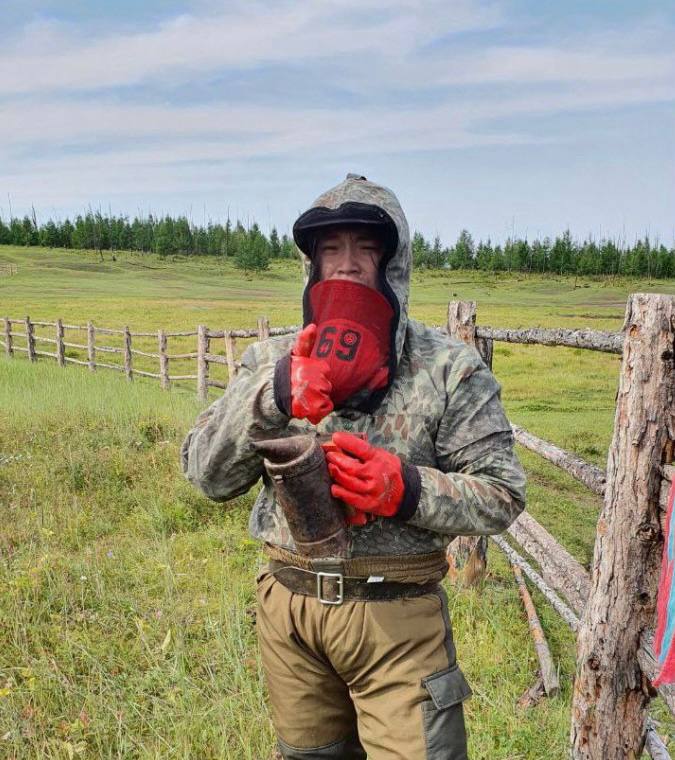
column 467, row 555
column 128, row 369
column 30, row 339
column 91, row 347
column 610, row 691
column 9, row 348
column 163, row 361
column 229, row 355
column 263, row 328
column 60, row 348
column 485, row 347
column 462, row 326
column 202, row 363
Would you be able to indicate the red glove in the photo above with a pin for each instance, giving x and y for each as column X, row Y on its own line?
column 310, row 386
column 365, row 477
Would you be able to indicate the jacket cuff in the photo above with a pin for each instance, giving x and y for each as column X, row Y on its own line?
column 282, row 384
column 412, row 482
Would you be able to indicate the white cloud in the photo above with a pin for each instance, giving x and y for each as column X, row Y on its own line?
column 247, row 36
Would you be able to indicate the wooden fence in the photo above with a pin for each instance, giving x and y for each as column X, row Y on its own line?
column 612, row 608
column 8, row 269
column 204, row 355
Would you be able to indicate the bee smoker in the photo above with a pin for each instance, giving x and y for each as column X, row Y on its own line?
column 316, row 520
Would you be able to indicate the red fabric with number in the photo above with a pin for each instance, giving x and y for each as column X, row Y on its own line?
column 353, row 335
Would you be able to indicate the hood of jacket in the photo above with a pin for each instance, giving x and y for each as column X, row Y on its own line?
column 394, row 274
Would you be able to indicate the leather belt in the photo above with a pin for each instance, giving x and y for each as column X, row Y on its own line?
column 330, row 586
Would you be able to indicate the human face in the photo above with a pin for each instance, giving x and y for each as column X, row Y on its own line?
column 350, row 253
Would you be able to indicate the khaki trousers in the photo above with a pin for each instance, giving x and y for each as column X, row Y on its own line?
column 376, row 679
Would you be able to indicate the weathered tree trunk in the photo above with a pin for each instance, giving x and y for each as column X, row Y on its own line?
column 610, row 691
column 467, row 555
column 128, row 370
column 549, row 674
column 9, row 348
column 485, row 348
column 462, row 321
column 60, row 348
column 164, row 380
column 558, row 566
column 263, row 328
column 91, row 347
column 229, row 355
column 590, row 475
column 561, row 608
column 594, row 340
column 202, row 363
column 30, row 339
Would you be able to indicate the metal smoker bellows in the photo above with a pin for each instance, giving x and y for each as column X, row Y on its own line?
column 297, row 467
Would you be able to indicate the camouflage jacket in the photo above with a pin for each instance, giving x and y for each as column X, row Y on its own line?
column 441, row 412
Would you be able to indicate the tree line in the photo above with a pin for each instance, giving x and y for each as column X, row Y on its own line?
column 251, row 249
column 561, row 255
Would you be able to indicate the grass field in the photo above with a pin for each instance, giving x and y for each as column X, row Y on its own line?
column 126, row 625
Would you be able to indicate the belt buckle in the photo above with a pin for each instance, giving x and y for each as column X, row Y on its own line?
column 319, row 587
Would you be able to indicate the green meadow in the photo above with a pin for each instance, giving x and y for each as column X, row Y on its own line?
column 127, row 617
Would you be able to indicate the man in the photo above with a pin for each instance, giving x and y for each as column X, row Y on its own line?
column 361, row 659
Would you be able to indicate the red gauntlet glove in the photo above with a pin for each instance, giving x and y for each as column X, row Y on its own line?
column 310, row 386
column 365, row 477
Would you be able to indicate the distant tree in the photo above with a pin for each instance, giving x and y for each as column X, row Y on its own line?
column 275, row 245
column 437, row 255
column 521, row 255
column 164, row 237
column 610, row 257
column 66, row 233
column 462, row 255
column 254, row 252
column 120, row 233
column 563, row 254
column 588, row 258
column 83, row 233
column 498, row 263
column 5, row 233
column 182, row 236
column 665, row 262
column 227, row 241
column 50, row 235
column 421, row 251
column 143, row 234
column 539, row 251
column 288, row 249
column 484, row 255
column 28, row 232
column 238, row 239
column 210, row 240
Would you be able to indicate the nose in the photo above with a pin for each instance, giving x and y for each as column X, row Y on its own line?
column 349, row 263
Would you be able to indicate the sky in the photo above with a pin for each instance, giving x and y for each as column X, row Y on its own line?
column 507, row 117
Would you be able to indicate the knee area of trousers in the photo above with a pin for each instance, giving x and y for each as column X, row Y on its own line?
column 344, row 749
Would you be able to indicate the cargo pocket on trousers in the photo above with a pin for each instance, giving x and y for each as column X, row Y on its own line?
column 443, row 715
